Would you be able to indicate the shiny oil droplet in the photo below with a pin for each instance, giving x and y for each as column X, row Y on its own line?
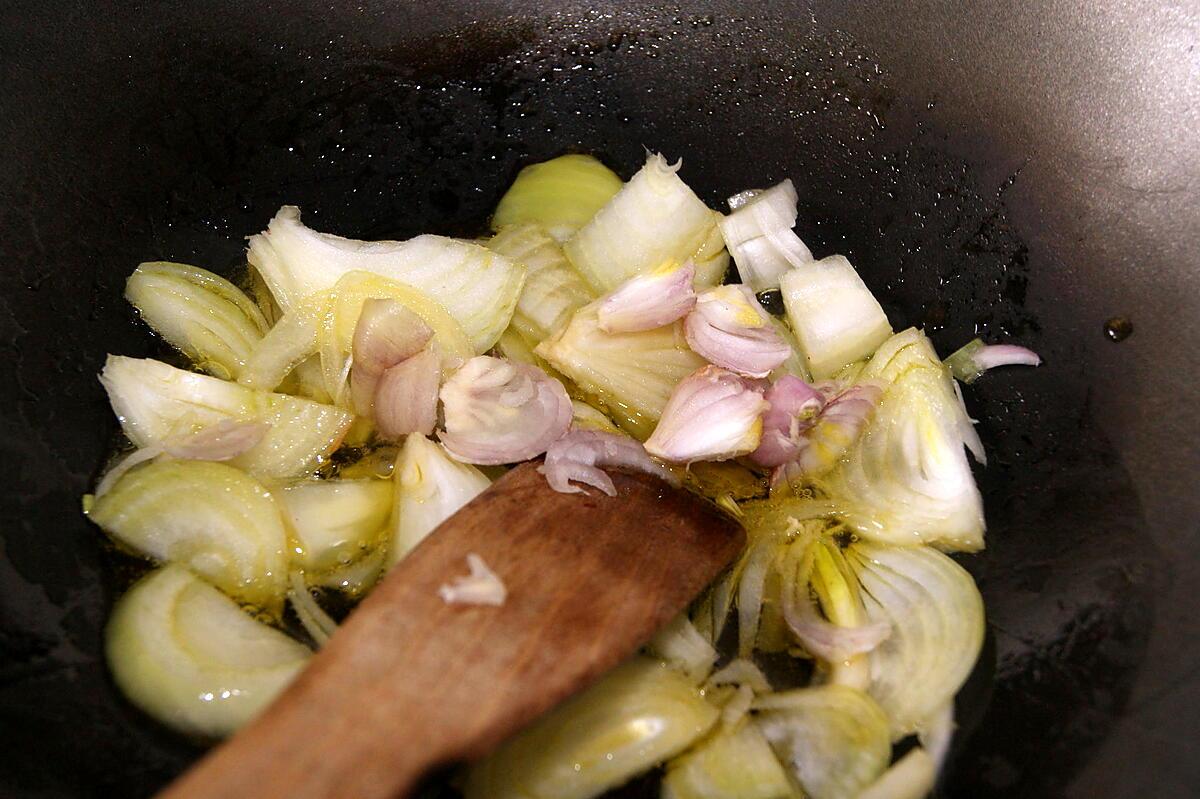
column 1118, row 328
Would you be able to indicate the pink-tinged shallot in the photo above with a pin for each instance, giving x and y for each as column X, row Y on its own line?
column 499, row 411
column 578, row 455
column 729, row 328
column 386, row 334
column 803, row 434
column 713, row 414
column 406, row 396
column 970, row 361
column 823, row 638
column 648, row 301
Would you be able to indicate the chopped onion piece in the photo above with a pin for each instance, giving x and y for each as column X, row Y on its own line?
column 498, row 411
column 222, row 441
column 640, row 714
column 553, row 289
column 561, row 195
column 682, row 647
column 430, row 487
column 289, row 342
column 911, row 777
column 586, row 417
column 759, row 234
column 478, row 287
column 647, row 301
column 794, row 406
column 969, row 362
column 631, row 375
column 386, row 334
column 655, row 218
column 936, row 615
column 741, row 671
column 406, row 396
column 204, row 316
column 313, row 618
column 335, row 522
column 834, row 315
column 737, row 763
column 833, row 738
column 713, row 414
column 578, row 455
column 729, row 328
column 480, row 587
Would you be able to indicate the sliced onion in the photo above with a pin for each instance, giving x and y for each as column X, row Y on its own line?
column 221, row 441
column 386, row 334
column 681, row 646
column 969, row 362
column 759, row 234
column 936, row 615
column 499, row 412
column 828, row 641
column 741, row 671
column 911, row 777
column 713, row 414
column 481, row 587
column 648, row 301
column 313, row 618
column 729, row 328
column 579, row 454
column 833, row 738
column 406, row 396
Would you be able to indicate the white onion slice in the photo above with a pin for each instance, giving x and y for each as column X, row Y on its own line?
column 481, row 587
column 406, row 396
column 499, row 412
column 647, row 301
column 578, row 455
column 729, row 328
column 713, row 414
column 386, row 334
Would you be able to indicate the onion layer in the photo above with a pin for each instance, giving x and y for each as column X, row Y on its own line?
column 406, row 396
column 647, row 301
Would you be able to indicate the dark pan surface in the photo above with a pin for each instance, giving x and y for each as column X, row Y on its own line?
column 1020, row 175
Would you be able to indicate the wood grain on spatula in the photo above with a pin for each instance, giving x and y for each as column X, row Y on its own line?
column 410, row 683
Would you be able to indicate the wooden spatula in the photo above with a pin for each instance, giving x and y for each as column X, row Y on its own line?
column 410, row 683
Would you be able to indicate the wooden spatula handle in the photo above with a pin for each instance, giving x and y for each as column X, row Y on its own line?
column 410, row 683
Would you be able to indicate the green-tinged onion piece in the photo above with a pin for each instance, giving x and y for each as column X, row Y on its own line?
column 907, row 479
column 585, row 417
column 834, row 739
column 641, row 714
column 189, row 656
column 214, row 518
column 937, row 620
column 154, row 401
column 629, row 374
column 335, row 522
column 654, row 219
column 834, row 315
column 683, row 648
column 478, row 287
column 560, row 195
column 430, row 487
column 202, row 315
column 553, row 289
column 733, row 764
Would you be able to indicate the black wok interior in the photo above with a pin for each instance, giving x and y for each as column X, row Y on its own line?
column 1020, row 174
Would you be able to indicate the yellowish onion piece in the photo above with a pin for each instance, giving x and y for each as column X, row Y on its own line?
column 736, row 763
column 650, row 300
column 430, row 487
column 406, row 396
column 500, row 412
column 937, row 620
column 681, row 646
column 729, row 328
column 713, row 414
column 578, row 456
column 834, row 739
column 386, row 334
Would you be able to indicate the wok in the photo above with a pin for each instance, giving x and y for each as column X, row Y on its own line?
column 1018, row 171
